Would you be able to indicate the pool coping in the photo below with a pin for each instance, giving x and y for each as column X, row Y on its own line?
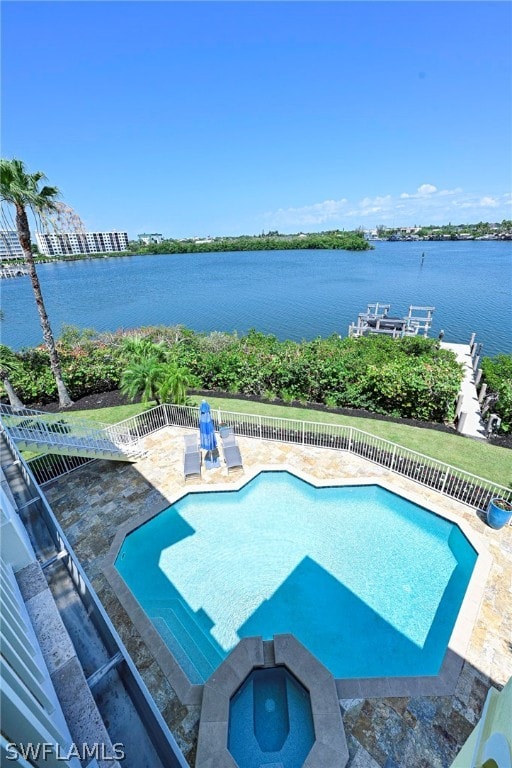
column 442, row 684
column 329, row 750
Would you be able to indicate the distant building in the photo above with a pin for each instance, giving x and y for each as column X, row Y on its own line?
column 68, row 243
column 10, row 247
column 150, row 238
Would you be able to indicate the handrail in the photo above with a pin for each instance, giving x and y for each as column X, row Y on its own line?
column 48, row 417
column 451, row 481
column 32, row 426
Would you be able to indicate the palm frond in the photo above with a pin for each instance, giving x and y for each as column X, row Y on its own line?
column 21, row 188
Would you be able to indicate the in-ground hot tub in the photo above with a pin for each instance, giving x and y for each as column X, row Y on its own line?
column 270, row 720
column 271, row 703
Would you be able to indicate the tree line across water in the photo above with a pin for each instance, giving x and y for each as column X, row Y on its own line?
column 273, row 241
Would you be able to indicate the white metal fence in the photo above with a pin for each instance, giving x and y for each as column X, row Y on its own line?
column 50, row 466
column 33, row 427
column 449, row 480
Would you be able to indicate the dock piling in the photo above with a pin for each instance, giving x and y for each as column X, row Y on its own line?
column 482, row 393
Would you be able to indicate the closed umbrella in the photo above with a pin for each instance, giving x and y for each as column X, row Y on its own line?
column 207, row 437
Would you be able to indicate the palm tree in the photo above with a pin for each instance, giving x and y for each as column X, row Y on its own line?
column 21, row 189
column 143, row 377
column 175, row 382
column 9, row 363
column 136, row 347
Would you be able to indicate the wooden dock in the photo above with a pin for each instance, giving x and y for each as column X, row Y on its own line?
column 471, row 423
column 418, row 321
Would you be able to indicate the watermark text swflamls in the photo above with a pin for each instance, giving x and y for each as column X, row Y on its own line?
column 42, row 750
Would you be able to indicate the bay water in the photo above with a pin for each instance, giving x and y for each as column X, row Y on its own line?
column 292, row 294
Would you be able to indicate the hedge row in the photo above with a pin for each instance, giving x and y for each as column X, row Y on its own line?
column 410, row 377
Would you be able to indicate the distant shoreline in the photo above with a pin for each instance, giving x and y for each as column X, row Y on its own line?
column 284, row 246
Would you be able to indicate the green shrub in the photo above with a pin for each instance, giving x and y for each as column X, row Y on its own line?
column 410, row 377
column 497, row 374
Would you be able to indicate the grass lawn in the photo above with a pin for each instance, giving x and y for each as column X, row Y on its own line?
column 478, row 457
column 109, row 415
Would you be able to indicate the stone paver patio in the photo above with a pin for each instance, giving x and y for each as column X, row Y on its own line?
column 408, row 732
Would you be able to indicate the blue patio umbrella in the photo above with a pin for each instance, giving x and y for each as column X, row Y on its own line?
column 206, row 428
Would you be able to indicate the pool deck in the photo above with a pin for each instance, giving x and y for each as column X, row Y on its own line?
column 389, row 731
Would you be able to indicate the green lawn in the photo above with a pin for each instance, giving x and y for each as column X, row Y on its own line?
column 109, row 415
column 478, row 457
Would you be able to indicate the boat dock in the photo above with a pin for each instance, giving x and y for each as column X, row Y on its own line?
column 469, row 415
column 377, row 319
column 418, row 321
column 13, row 270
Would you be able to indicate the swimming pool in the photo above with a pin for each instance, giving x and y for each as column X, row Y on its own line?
column 368, row 581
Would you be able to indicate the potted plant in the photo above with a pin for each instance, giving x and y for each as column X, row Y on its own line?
column 499, row 513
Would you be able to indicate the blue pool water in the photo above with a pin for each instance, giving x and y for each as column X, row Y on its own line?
column 369, row 582
column 270, row 721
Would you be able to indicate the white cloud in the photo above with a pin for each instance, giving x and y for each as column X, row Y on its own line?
column 423, row 191
column 449, row 192
column 428, row 205
column 426, row 189
column 317, row 213
column 488, row 202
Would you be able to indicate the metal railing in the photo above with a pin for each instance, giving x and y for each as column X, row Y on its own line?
column 446, row 479
column 50, row 466
column 34, row 427
column 158, row 733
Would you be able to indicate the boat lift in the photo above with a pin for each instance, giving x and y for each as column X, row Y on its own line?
column 377, row 319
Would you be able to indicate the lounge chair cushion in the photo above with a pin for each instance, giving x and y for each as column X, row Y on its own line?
column 191, row 443
column 192, row 464
column 232, row 456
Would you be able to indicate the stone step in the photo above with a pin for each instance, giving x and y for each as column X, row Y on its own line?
column 186, row 639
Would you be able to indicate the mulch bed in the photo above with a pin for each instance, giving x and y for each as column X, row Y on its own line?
column 89, row 403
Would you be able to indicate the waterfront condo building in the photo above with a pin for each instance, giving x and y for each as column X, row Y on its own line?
column 69, row 243
column 150, row 238
column 10, row 247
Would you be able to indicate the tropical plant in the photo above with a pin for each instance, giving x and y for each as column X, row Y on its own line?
column 143, row 377
column 497, row 373
column 21, row 189
column 136, row 347
column 410, row 378
column 9, row 364
column 174, row 384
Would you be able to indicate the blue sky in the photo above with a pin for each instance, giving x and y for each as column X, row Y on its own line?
column 206, row 118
